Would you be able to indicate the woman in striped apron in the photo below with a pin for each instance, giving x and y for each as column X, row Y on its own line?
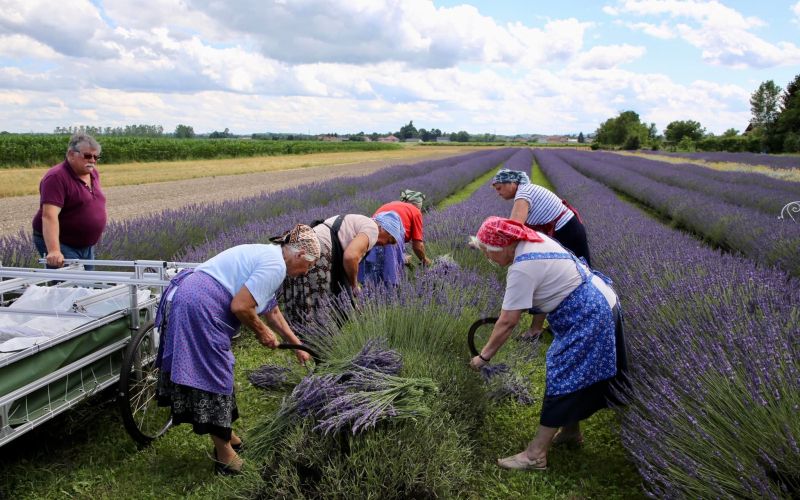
column 587, row 359
column 542, row 210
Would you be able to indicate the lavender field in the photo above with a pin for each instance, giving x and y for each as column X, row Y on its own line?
column 713, row 341
column 714, row 346
column 772, row 161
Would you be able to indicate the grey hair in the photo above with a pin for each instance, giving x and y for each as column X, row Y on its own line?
column 295, row 249
column 80, row 138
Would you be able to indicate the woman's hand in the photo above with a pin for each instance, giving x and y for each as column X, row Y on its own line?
column 476, row 363
column 268, row 339
column 302, row 356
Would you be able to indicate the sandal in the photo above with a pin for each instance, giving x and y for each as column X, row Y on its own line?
column 225, row 469
column 520, row 461
column 566, row 439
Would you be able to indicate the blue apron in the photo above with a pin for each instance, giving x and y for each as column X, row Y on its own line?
column 583, row 351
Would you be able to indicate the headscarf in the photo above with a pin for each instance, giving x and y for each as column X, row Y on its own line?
column 390, row 221
column 304, row 238
column 506, row 175
column 413, row 197
column 499, row 232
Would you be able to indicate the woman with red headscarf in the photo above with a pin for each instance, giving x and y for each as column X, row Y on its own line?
column 587, row 357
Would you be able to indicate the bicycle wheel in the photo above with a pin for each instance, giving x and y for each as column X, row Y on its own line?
column 479, row 334
column 142, row 417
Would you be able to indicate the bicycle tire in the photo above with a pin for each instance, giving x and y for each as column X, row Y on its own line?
column 473, row 329
column 142, row 418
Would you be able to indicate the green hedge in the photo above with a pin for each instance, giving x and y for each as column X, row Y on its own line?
column 45, row 150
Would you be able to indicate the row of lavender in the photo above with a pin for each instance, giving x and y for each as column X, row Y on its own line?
column 715, row 354
column 698, row 207
column 421, row 326
column 171, row 233
column 761, row 192
column 436, row 184
column 774, row 161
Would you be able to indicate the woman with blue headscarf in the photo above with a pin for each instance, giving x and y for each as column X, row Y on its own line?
column 386, row 264
column 544, row 211
column 344, row 241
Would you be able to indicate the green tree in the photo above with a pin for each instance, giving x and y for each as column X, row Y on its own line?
column 581, row 138
column 764, row 104
column 616, row 131
column 408, row 131
column 731, row 132
column 184, row 132
column 679, row 129
column 787, row 125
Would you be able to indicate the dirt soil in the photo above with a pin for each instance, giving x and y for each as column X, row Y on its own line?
column 129, row 202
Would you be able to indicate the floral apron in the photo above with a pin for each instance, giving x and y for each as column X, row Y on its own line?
column 583, row 351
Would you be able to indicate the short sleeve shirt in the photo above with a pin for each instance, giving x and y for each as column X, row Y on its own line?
column 260, row 268
column 352, row 226
column 410, row 215
column 83, row 210
column 543, row 205
column 542, row 283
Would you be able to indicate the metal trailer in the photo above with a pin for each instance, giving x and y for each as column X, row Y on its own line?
column 68, row 333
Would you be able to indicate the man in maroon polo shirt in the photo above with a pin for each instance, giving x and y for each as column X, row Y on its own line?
column 72, row 206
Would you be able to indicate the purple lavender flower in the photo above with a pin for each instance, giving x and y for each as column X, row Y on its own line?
column 269, row 376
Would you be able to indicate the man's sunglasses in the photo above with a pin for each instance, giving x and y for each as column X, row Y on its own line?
column 89, row 156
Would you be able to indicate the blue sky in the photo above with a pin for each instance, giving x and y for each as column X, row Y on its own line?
column 508, row 67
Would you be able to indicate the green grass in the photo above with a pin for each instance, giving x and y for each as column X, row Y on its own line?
column 85, row 453
column 468, row 190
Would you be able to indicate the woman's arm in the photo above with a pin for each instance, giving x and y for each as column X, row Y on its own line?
column 278, row 323
column 419, row 250
column 520, row 211
column 244, row 306
column 353, row 254
column 502, row 329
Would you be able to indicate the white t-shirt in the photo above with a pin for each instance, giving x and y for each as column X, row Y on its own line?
column 352, row 225
column 260, row 268
column 544, row 283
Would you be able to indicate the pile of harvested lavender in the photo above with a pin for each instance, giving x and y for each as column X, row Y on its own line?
column 269, row 376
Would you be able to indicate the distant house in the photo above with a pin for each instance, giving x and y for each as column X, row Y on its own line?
column 388, row 138
column 572, row 139
column 556, row 139
column 413, row 139
column 442, row 139
column 330, row 138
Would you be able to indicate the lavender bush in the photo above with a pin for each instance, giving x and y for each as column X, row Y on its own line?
column 773, row 161
column 714, row 353
column 764, row 238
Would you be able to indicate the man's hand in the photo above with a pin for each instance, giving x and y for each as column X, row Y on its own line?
column 268, row 339
column 55, row 258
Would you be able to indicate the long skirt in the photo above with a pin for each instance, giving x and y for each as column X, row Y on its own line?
column 208, row 413
column 301, row 295
column 570, row 408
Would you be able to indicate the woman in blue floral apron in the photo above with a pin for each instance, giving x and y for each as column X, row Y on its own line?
column 587, row 359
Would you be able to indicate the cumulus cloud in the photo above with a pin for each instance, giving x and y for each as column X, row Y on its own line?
column 796, row 11
column 723, row 35
column 662, row 30
column 609, row 56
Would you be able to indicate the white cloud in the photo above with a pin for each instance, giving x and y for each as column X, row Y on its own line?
column 796, row 11
column 722, row 34
column 662, row 30
column 609, row 56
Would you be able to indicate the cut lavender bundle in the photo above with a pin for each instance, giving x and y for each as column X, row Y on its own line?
column 269, row 376
column 505, row 384
column 376, row 355
column 373, row 396
column 314, row 392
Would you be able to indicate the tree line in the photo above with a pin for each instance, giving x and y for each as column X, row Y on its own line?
column 774, row 127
